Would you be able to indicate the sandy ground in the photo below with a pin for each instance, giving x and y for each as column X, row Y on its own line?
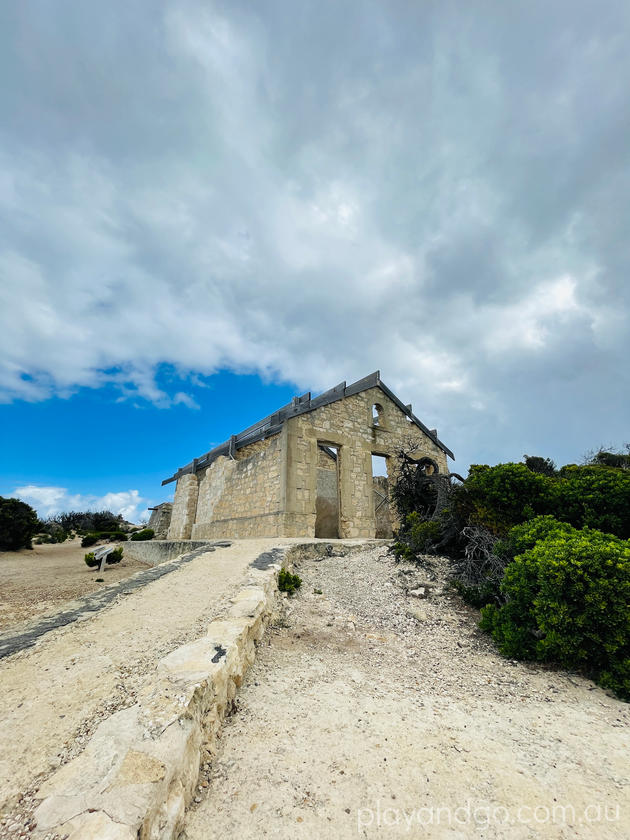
column 372, row 713
column 55, row 694
column 35, row 583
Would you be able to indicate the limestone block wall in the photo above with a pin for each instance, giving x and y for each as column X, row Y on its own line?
column 184, row 508
column 242, row 497
column 382, row 515
column 348, row 424
column 253, row 449
column 160, row 520
column 327, row 502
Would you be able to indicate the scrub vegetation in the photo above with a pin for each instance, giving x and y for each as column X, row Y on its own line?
column 544, row 552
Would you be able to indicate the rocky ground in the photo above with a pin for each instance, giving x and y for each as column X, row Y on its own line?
column 376, row 708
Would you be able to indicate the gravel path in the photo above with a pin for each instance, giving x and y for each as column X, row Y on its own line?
column 370, row 712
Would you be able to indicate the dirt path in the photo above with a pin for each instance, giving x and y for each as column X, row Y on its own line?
column 54, row 694
column 375, row 714
column 36, row 582
column 28, row 633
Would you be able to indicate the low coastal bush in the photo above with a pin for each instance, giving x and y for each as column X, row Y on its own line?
column 568, row 602
column 110, row 536
column 90, row 560
column 288, row 582
column 544, row 552
column 114, row 556
column 145, row 534
column 417, row 536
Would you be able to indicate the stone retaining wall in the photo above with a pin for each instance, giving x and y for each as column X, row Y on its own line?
column 158, row 551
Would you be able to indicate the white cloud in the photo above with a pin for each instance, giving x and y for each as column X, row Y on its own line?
column 441, row 195
column 48, row 501
column 529, row 323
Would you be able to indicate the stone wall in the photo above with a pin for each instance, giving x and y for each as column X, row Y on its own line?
column 382, row 514
column 160, row 520
column 155, row 552
column 327, row 504
column 253, row 449
column 241, row 498
column 184, row 508
column 348, row 424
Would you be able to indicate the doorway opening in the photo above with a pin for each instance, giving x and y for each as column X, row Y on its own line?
column 327, row 499
column 380, row 488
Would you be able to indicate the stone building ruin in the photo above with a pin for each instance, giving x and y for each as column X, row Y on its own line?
column 160, row 519
column 306, row 470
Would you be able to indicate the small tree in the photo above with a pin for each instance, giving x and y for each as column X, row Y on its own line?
column 609, row 457
column 18, row 523
column 537, row 464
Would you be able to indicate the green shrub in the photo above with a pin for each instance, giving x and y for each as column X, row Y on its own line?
column 496, row 498
column 422, row 535
column 478, row 594
column 605, row 458
column 110, row 536
column 403, row 552
column 114, row 556
column 481, row 574
column 595, row 497
column 288, row 582
column 90, row 560
column 568, row 602
column 145, row 534
column 86, row 521
column 525, row 536
column 18, row 524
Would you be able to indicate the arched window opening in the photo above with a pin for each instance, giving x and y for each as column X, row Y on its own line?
column 377, row 415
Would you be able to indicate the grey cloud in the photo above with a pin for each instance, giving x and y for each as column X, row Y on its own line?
column 318, row 190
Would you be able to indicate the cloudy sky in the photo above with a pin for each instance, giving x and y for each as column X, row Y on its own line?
column 206, row 207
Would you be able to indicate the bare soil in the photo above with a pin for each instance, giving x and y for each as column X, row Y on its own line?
column 371, row 712
column 36, row 582
column 55, row 693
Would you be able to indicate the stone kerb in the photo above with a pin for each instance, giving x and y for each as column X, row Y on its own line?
column 139, row 771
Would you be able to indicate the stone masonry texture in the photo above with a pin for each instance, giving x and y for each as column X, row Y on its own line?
column 270, row 488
